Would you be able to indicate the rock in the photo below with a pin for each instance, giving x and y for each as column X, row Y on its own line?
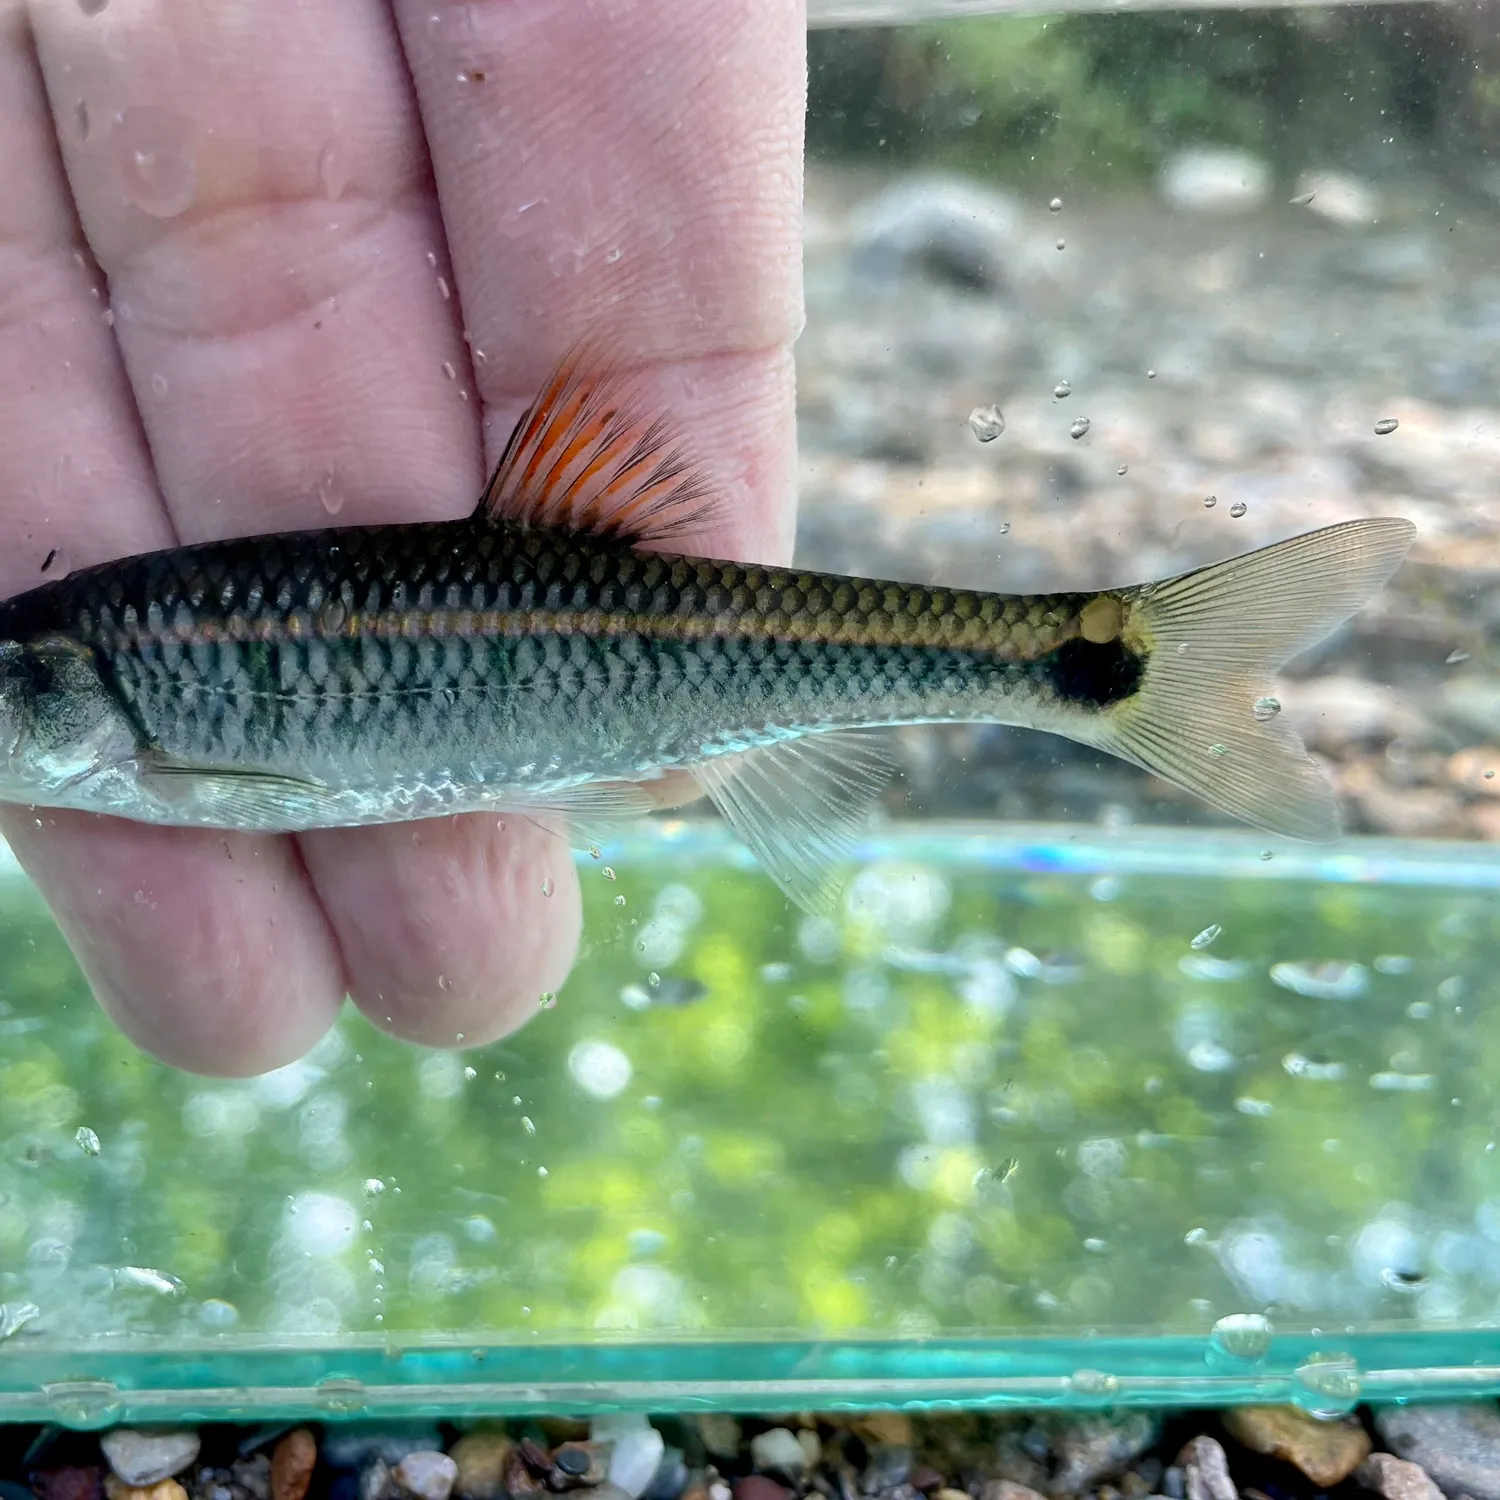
column 953, row 229
column 1205, row 1471
column 480, row 1459
column 812, row 1446
column 758, row 1487
column 1468, row 768
column 375, row 1481
column 292, row 1464
column 1458, row 1446
column 69, row 1482
column 947, row 1494
column 888, row 1464
column 253, row 1475
column 1326, row 1452
column 638, row 1449
column 720, row 1433
column 348, row 1446
column 116, row 1488
column 576, row 1463
column 1396, row 1478
column 1091, row 1448
column 1007, row 1489
column 427, row 1474
column 143, row 1458
column 882, row 1427
column 1215, row 180
column 10, row 1489
column 777, row 1451
column 671, row 1477
column 1340, row 198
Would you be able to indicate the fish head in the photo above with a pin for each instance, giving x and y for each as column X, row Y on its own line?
column 59, row 722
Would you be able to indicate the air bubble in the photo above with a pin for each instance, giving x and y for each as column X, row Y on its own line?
column 547, row 1000
column 1209, row 933
column 1062, row 244
column 1079, row 428
column 1385, row 426
column 1094, row 1383
column 1123, row 470
column 608, row 872
column 1326, row 1386
column 619, row 900
column 986, row 423
column 330, row 496
column 1062, row 390
column 1263, row 710
column 1209, row 501
column 1238, row 509
column 1055, row 205
column 88, row 1141
column 159, row 384
column 1240, row 1339
column 547, row 885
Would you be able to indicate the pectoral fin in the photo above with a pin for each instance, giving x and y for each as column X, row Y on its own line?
column 263, row 800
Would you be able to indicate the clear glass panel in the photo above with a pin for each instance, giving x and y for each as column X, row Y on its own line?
column 1081, row 1096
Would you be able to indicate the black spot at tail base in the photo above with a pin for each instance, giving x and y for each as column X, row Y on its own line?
column 1095, row 675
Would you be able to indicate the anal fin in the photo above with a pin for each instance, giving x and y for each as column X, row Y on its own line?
column 799, row 804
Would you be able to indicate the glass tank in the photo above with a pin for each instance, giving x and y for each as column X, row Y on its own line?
column 1081, row 1094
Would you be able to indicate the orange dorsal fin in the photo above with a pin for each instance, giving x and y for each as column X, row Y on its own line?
column 588, row 456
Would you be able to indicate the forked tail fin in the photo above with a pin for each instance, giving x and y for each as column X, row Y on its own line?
column 1211, row 640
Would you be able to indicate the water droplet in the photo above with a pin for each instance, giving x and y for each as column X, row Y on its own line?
column 547, row 885
column 159, row 384
column 1336, row 979
column 374, row 1187
column 1218, row 749
column 654, row 979
column 1062, row 244
column 1263, row 710
column 1062, row 389
column 1122, row 471
column 1302, row 199
column 330, row 494
column 449, row 370
column 547, row 1000
column 595, row 852
column 619, row 901
column 444, row 290
column 1326, row 1385
column 1455, row 656
column 1150, row 374
column 608, row 872
column 528, row 1124
column 341, row 1394
column 1209, row 501
column 986, row 423
column 1207, row 936
column 81, row 114
column 1238, row 509
column 84, row 1404
column 1266, row 854
column 1055, row 205
column 1241, row 1338
column 1386, row 425
column 333, row 616
column 1079, row 428
column 157, row 157
column 88, row 1141
column 1004, row 528
column 333, row 175
column 93, row 7
column 109, row 317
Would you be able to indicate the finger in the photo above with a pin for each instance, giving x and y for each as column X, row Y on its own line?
column 242, row 979
column 76, row 484
column 639, row 170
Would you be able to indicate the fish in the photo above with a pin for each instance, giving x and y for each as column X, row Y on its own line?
column 561, row 653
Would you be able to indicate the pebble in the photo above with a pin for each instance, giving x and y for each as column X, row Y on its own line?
column 69, row 1482
column 1215, row 180
column 292, row 1464
column 1007, row 1489
column 116, row 1488
column 893, row 1427
column 1458, row 1446
column 480, row 1458
column 1091, row 1448
column 888, row 1464
column 638, row 1449
column 427, row 1474
column 776, row 1450
column 143, row 1458
column 671, row 1477
column 1396, row 1478
column 374, row 1479
column 947, row 1494
column 1205, row 1471
column 575, row 1463
column 720, row 1433
column 253, row 1475
column 758, row 1487
column 1326, row 1452
column 347, row 1447
column 1340, row 198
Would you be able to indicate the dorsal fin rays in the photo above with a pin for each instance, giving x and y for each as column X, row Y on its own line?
column 587, row 455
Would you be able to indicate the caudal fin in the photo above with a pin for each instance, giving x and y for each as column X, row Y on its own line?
column 1212, row 638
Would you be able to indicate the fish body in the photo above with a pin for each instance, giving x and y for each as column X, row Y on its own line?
column 544, row 654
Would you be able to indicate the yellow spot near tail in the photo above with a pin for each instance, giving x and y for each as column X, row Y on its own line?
column 1101, row 618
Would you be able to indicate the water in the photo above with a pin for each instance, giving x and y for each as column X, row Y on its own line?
column 1200, row 1113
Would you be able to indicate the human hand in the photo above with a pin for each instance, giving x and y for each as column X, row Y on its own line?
column 344, row 245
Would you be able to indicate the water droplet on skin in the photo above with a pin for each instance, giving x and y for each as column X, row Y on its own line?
column 1062, row 389
column 546, row 885
column 1454, row 657
column 157, row 157
column 1150, row 374
column 528, row 1124
column 448, row 370
column 159, row 384
column 608, row 873
column 1005, row 528
column 1209, row 501
column 595, row 852
column 1207, row 936
column 333, row 176
column 1386, row 425
column 1265, row 854
column 986, row 423
column 547, row 1000
column 81, row 114
column 1079, row 428
column 444, row 290
column 1238, row 509
column 109, row 317
column 93, row 7
column 1265, row 709
column 1218, row 749
column 330, row 494
column 88, row 1141
column 1055, row 205
column 1122, row 471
